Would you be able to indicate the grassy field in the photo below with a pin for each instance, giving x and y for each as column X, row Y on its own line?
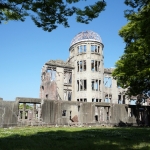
column 71, row 138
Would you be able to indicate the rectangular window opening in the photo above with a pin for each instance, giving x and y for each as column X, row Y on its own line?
column 77, row 85
column 92, row 48
column 85, row 100
column 84, row 48
column 69, row 96
column 85, row 85
column 96, row 85
column 123, row 99
column 92, row 65
column 93, row 85
column 81, row 85
column 80, row 66
column 93, row 99
column 77, row 66
column 99, row 85
column 84, row 65
column 119, row 99
column 96, row 117
column 96, row 48
column 64, row 112
column 96, row 66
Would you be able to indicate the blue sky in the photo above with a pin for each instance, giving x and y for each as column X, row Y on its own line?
column 24, row 48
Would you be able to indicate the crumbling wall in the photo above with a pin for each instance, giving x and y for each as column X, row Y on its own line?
column 119, row 114
column 59, row 112
column 8, row 113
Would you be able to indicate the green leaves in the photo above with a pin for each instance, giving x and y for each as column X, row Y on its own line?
column 133, row 69
column 48, row 14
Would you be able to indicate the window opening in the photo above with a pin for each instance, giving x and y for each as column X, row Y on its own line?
column 47, row 96
column 77, row 66
column 85, row 85
column 85, row 100
column 107, row 82
column 81, row 85
column 119, row 99
column 92, row 48
column 92, row 65
column 99, row 84
column 123, row 99
column 53, row 75
column 96, row 69
column 64, row 113
column 96, row 85
column 80, row 66
column 70, row 78
column 69, row 96
column 92, row 85
column 78, row 108
column 84, row 62
column 84, row 48
column 77, row 85
column 96, row 117
column 95, row 48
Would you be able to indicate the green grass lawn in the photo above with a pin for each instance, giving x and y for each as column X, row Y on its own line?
column 73, row 138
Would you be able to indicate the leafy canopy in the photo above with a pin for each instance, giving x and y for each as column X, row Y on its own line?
column 133, row 69
column 49, row 13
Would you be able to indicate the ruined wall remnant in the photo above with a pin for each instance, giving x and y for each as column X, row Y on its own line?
column 37, row 112
column 8, row 113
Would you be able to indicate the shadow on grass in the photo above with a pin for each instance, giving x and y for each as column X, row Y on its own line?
column 34, row 138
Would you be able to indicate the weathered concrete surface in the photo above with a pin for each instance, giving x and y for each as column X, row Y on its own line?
column 8, row 113
column 52, row 112
column 119, row 113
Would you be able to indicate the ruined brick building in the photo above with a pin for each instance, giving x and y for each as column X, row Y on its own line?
column 83, row 76
column 79, row 91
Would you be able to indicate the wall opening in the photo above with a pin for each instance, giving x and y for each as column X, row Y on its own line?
column 64, row 112
column 77, row 66
column 80, row 66
column 84, row 65
column 108, row 82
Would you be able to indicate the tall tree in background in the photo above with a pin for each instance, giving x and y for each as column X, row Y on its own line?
column 133, row 69
column 49, row 13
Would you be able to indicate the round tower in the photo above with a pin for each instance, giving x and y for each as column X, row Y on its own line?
column 86, row 53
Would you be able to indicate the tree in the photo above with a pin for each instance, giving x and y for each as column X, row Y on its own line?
column 49, row 13
column 133, row 69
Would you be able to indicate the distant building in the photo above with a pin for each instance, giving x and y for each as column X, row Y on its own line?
column 83, row 76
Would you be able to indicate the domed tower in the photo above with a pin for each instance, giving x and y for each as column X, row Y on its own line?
column 86, row 53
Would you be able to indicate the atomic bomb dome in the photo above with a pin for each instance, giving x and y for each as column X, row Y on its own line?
column 86, row 35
